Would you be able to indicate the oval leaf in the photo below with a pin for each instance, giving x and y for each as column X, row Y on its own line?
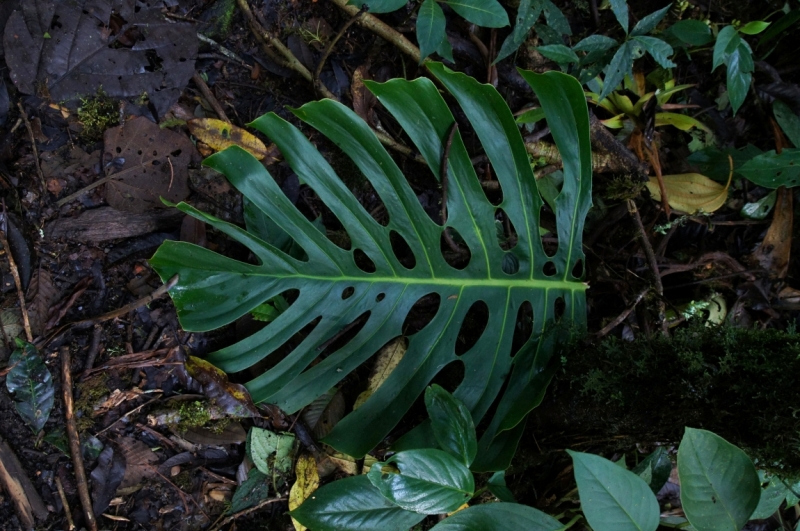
column 499, row 517
column 353, row 504
column 690, row 192
column 612, row 498
column 486, row 13
column 788, row 120
column 429, row 482
column 220, row 135
column 719, row 484
column 655, row 469
column 772, row 170
column 307, row 482
column 754, row 27
column 452, row 424
column 558, row 53
column 430, row 27
column 31, row 383
column 772, row 495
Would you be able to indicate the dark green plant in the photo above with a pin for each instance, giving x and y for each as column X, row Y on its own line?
column 214, row 290
column 31, row 385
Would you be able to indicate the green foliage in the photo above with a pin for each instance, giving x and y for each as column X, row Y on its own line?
column 31, row 385
column 270, row 452
column 528, row 13
column 655, row 469
column 452, row 424
column 96, row 114
column 214, row 290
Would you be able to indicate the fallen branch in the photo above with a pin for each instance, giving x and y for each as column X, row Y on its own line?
column 33, row 147
column 15, row 273
column 210, row 98
column 74, row 441
column 15, row 482
column 374, row 24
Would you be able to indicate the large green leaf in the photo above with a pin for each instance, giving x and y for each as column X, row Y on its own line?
column 214, row 290
column 486, row 13
column 772, row 169
column 430, row 27
column 788, row 121
column 452, row 424
column 429, row 481
column 31, row 383
column 353, row 504
column 527, row 15
column 612, row 498
column 773, row 492
column 739, row 74
column 499, row 517
column 719, row 484
column 655, row 469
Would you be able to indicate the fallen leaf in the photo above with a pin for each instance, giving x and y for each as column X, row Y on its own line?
column 139, row 459
column 691, row 192
column 774, row 252
column 322, row 414
column 42, row 295
column 386, row 361
column 219, row 135
column 306, row 483
column 148, row 163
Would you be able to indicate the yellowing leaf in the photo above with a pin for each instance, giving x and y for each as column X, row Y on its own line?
column 681, row 121
column 220, row 135
column 691, row 192
column 307, row 482
column 465, row 506
column 387, row 359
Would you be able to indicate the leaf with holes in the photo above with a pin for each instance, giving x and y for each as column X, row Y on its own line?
column 349, row 303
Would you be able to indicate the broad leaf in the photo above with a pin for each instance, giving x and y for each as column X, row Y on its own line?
column 559, row 53
column 270, row 452
column 595, row 43
column 353, row 504
column 690, row 32
column 772, row 170
column 620, row 9
column 251, row 492
column 727, row 41
column 499, row 517
column 527, row 15
column 772, row 495
column 497, row 486
column 719, row 484
column 621, row 64
column 788, row 121
column 486, row 13
column 655, row 469
column 658, row 50
column 690, row 192
column 452, row 424
column 31, row 384
column 556, row 19
column 430, row 27
column 429, row 481
column 754, row 27
column 214, row 290
column 739, row 75
column 648, row 23
column 612, row 498
column 379, row 6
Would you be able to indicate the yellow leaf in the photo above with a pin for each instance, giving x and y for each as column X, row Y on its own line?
column 465, row 506
column 307, row 482
column 691, row 192
column 388, row 358
column 220, row 135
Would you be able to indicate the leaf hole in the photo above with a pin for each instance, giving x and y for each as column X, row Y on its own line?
column 547, row 220
column 139, row 152
column 155, row 153
column 380, row 297
column 363, row 262
column 454, row 249
column 402, row 251
column 523, row 327
column 348, row 292
column 472, row 327
column 549, row 269
column 577, row 270
column 506, row 234
column 421, row 314
column 118, row 150
column 176, row 153
column 559, row 307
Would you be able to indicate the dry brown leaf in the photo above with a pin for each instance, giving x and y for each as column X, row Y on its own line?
column 147, row 163
column 774, row 252
column 386, row 361
column 219, row 135
column 307, row 482
column 139, row 459
column 42, row 295
column 691, row 192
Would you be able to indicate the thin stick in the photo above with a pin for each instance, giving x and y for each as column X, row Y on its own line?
column 224, row 51
column 209, row 96
column 74, row 440
column 233, row 517
column 15, row 273
column 65, row 503
column 375, row 25
column 129, row 413
column 33, row 146
column 621, row 317
column 651, row 259
column 328, row 49
column 443, row 178
column 94, row 350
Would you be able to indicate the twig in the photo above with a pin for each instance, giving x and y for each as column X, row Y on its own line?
column 253, row 509
column 15, row 273
column 210, row 98
column 621, row 317
column 21, row 492
column 651, row 259
column 373, row 24
column 652, row 155
column 65, row 503
column 94, row 350
column 224, row 51
column 33, row 147
column 318, row 86
column 443, row 178
column 86, row 323
column 74, row 440
column 129, row 413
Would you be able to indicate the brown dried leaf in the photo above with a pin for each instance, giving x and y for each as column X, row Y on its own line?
column 774, row 252
column 148, row 163
column 363, row 99
column 42, row 295
column 139, row 459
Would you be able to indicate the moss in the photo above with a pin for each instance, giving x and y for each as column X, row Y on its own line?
column 736, row 382
column 192, row 415
column 184, row 481
column 97, row 113
column 90, row 391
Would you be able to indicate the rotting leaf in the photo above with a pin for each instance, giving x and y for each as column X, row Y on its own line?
column 386, row 361
column 139, row 459
column 219, row 135
column 322, row 414
column 270, row 452
column 42, row 295
column 691, row 192
column 31, row 383
column 201, row 376
column 774, row 252
column 152, row 163
column 251, row 492
column 67, row 49
column 307, row 482
column 106, row 478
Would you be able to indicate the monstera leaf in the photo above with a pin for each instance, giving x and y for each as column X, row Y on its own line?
column 334, row 291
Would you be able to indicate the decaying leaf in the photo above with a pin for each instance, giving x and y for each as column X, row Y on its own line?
column 231, row 398
column 31, row 384
column 69, row 50
column 307, row 482
column 219, row 135
column 385, row 362
column 139, row 460
column 148, row 163
column 251, row 492
column 322, row 414
column 42, row 295
column 691, row 192
column 774, row 252
column 270, row 452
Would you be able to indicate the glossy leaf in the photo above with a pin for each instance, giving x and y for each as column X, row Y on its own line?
column 754, row 27
column 649, row 23
column 531, row 116
column 556, row 19
column 429, row 481
column 621, row 64
column 773, row 492
column 486, row 13
column 31, row 384
column 681, row 121
column 430, row 27
column 452, row 424
column 788, row 120
column 497, row 486
column 620, row 9
column 739, row 75
column 719, row 484
column 772, row 170
column 527, row 15
column 690, row 32
column 612, row 498
column 727, row 41
column 690, row 192
column 379, row 6
column 595, row 43
column 353, row 504
column 559, row 53
column 655, row 469
column 761, row 208
column 658, row 50
column 214, row 290
column 499, row 517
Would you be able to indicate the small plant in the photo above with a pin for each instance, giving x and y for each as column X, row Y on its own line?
column 96, row 114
